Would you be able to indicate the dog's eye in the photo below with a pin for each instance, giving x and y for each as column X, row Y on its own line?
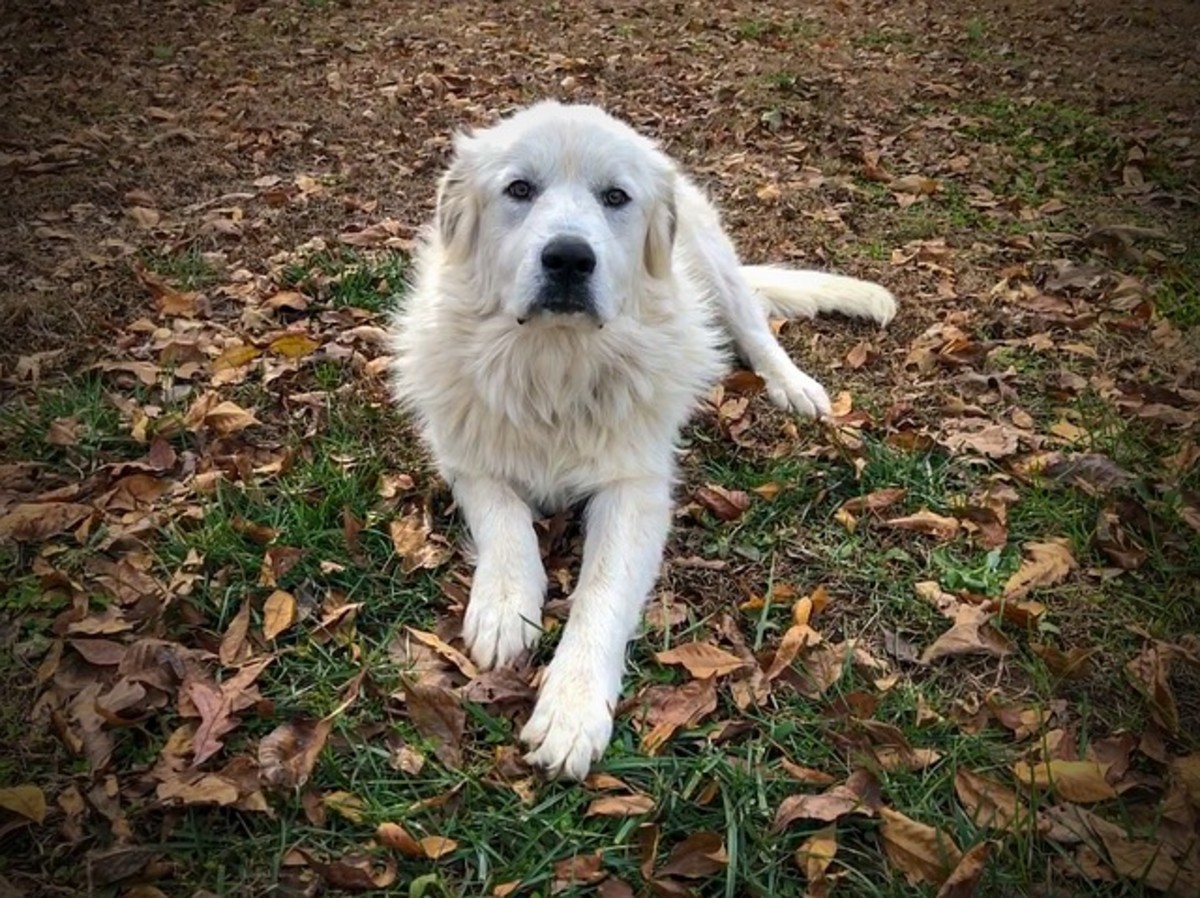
column 615, row 197
column 519, row 190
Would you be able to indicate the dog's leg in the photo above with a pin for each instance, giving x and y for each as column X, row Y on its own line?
column 710, row 255
column 504, row 613
column 627, row 526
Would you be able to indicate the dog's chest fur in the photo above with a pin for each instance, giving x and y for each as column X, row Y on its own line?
column 556, row 410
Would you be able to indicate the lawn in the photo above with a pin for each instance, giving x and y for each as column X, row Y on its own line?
column 946, row 643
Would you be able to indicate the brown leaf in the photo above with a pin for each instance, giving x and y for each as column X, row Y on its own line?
column 582, row 869
column 234, row 357
column 101, row 652
column 447, row 651
column 435, row 847
column 876, row 501
column 234, row 640
column 1150, row 673
column 38, row 521
column 620, row 806
column 971, row 634
column 1082, row 782
column 989, row 803
column 698, row 856
column 27, row 800
column 921, row 852
column 355, row 873
column 728, row 505
column 411, row 540
column 670, row 707
column 279, row 613
column 396, row 837
column 1047, row 563
column 1074, row 664
column 858, row 795
column 858, row 355
column 928, row 523
column 63, row 432
column 203, row 790
column 814, row 857
column 995, row 441
column 438, row 715
column 1094, row 473
column 963, row 881
column 702, row 659
column 288, row 753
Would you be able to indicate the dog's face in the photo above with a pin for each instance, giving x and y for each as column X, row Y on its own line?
column 558, row 216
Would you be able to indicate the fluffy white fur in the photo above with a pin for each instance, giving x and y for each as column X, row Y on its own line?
column 527, row 412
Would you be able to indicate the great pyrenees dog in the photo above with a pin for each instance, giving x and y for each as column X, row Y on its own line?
column 570, row 307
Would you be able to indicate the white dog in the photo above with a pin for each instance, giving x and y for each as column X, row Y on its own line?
column 569, row 309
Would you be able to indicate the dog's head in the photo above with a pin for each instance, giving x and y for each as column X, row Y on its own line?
column 558, row 214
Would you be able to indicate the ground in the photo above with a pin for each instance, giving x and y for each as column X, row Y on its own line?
column 948, row 643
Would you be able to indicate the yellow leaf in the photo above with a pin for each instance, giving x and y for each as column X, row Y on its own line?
column 920, row 852
column 345, row 804
column 279, row 613
column 27, row 800
column 294, row 346
column 235, row 357
column 1079, row 781
column 437, row 846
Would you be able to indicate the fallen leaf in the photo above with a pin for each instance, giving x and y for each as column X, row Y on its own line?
column 288, row 753
column 346, row 805
column 234, row 357
column 438, row 715
column 38, row 521
column 294, row 346
column 411, row 540
column 27, row 800
column 698, row 856
column 1047, row 564
column 396, row 837
column 702, row 659
column 859, row 794
column 435, row 847
column 814, row 857
column 875, row 501
column 928, row 523
column 667, row 708
column 964, row 878
column 234, row 640
column 1082, row 782
column 1150, row 673
column 921, row 852
column 989, row 803
column 355, row 873
column 728, row 505
column 279, row 613
column 447, row 651
column 582, row 869
column 620, row 806
column 971, row 634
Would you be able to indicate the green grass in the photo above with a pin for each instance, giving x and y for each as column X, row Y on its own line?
column 187, row 269
column 86, row 415
column 345, row 278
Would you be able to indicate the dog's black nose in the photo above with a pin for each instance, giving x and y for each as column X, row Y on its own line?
column 569, row 259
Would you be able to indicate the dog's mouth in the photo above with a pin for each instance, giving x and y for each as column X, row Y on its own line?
column 557, row 302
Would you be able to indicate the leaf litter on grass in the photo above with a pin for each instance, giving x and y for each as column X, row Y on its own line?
column 1031, row 365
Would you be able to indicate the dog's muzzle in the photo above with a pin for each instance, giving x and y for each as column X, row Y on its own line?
column 566, row 287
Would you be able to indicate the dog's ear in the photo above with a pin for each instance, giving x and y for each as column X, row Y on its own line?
column 660, row 234
column 457, row 216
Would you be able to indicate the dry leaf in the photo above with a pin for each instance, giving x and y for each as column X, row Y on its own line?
column 702, row 659
column 971, row 634
column 288, row 753
column 728, row 505
column 989, row 803
column 38, row 521
column 620, row 806
column 1047, row 564
column 964, row 878
column 279, row 613
column 929, row 523
column 858, row 795
column 698, row 856
column 1078, row 781
column 815, row 855
column 294, row 346
column 922, row 853
column 1150, row 673
column 447, row 651
column 396, row 837
column 435, row 847
column 411, row 540
column 26, row 800
column 438, row 716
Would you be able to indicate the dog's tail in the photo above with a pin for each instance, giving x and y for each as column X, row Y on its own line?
column 789, row 293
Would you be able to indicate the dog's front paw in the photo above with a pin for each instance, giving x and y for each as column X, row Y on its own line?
column 504, row 614
column 794, row 391
column 571, row 725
